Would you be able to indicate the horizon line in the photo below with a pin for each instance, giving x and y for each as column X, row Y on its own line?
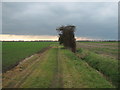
column 13, row 37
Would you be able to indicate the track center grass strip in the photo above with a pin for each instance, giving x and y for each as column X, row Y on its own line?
column 43, row 74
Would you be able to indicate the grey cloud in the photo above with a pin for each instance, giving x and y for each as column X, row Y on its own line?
column 96, row 20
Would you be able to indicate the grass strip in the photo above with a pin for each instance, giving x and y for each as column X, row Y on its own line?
column 44, row 72
column 78, row 74
column 107, row 66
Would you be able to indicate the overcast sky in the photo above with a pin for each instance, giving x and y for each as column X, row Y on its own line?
column 92, row 19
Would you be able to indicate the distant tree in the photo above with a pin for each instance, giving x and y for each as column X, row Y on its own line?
column 66, row 37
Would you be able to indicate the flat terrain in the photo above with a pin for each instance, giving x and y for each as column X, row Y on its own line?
column 14, row 52
column 56, row 67
column 107, row 49
column 102, row 56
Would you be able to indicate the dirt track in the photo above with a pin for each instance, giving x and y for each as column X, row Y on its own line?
column 53, row 68
column 22, row 70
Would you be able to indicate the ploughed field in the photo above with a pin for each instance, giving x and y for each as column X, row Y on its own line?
column 107, row 49
column 49, row 65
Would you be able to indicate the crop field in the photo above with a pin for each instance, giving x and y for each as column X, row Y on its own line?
column 13, row 52
column 94, row 65
column 107, row 49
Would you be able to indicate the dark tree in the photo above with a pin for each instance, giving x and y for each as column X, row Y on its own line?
column 66, row 37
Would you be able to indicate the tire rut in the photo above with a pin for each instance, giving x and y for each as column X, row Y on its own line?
column 57, row 81
column 23, row 74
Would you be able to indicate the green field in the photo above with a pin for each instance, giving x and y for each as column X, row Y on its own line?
column 57, row 67
column 13, row 52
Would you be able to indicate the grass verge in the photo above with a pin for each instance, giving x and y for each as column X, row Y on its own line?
column 78, row 74
column 107, row 66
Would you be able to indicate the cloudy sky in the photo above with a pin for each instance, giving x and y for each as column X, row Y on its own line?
column 96, row 20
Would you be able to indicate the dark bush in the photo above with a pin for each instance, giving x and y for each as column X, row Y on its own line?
column 66, row 37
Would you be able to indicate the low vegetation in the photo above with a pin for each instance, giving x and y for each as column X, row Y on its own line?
column 106, row 65
column 14, row 52
column 57, row 67
column 107, row 49
column 78, row 74
column 43, row 75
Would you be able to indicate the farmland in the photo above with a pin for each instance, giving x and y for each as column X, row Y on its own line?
column 107, row 49
column 102, row 56
column 13, row 52
column 57, row 67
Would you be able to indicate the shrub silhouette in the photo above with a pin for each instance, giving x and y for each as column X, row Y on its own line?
column 66, row 37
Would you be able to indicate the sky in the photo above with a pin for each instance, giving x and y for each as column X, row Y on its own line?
column 93, row 20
